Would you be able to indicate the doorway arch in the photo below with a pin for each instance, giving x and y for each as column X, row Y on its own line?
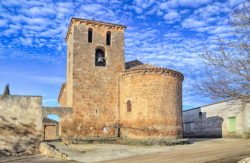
column 51, row 121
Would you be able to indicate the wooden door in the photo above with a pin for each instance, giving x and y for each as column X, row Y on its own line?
column 231, row 124
column 49, row 132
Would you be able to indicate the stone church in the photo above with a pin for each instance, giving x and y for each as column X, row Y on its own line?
column 110, row 97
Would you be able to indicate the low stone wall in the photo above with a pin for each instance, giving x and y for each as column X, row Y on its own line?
column 123, row 141
column 20, row 124
column 51, row 151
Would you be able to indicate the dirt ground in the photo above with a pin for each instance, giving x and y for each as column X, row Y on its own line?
column 201, row 150
column 32, row 159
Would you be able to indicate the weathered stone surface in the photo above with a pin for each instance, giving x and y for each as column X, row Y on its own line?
column 92, row 90
column 156, row 104
column 60, row 111
column 98, row 94
column 20, row 124
column 51, row 151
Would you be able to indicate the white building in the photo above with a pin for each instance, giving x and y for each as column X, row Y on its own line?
column 223, row 119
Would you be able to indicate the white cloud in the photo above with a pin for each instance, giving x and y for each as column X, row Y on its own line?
column 192, row 23
column 44, row 24
column 212, row 10
column 37, row 21
column 173, row 35
column 26, row 41
column 40, row 11
column 233, row 3
column 184, row 11
column 205, row 28
column 11, row 3
column 168, row 4
column 171, row 15
column 138, row 10
column 91, row 8
column 222, row 30
column 3, row 23
column 193, row 3
column 12, row 29
column 143, row 3
column 159, row 13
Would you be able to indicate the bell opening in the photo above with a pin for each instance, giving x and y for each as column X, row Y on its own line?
column 100, row 58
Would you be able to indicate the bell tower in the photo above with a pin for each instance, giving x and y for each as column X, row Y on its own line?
column 95, row 57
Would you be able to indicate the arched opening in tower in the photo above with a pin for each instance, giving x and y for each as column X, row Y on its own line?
column 100, row 57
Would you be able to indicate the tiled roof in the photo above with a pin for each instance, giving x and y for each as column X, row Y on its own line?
column 145, row 66
column 133, row 63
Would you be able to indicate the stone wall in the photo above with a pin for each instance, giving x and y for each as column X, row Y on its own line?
column 65, row 113
column 212, row 120
column 98, row 95
column 20, row 124
column 92, row 90
column 156, row 104
column 63, row 95
column 51, row 151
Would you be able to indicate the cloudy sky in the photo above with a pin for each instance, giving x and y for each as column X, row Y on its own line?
column 170, row 33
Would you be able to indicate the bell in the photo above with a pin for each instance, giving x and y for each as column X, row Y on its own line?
column 100, row 59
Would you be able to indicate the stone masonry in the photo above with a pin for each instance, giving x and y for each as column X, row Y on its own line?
column 20, row 124
column 108, row 100
column 155, row 95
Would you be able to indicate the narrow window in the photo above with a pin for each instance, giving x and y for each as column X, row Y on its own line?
column 108, row 38
column 90, row 33
column 200, row 115
column 129, row 106
column 100, row 57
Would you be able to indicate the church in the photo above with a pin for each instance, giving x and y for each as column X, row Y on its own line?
column 111, row 98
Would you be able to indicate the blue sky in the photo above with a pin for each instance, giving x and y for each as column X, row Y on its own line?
column 170, row 33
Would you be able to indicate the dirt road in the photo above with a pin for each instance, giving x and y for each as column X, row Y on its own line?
column 200, row 151
column 213, row 150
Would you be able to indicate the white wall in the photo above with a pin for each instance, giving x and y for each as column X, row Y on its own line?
column 214, row 119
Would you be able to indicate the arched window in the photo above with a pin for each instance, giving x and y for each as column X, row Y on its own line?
column 108, row 38
column 100, row 57
column 90, row 34
column 129, row 106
